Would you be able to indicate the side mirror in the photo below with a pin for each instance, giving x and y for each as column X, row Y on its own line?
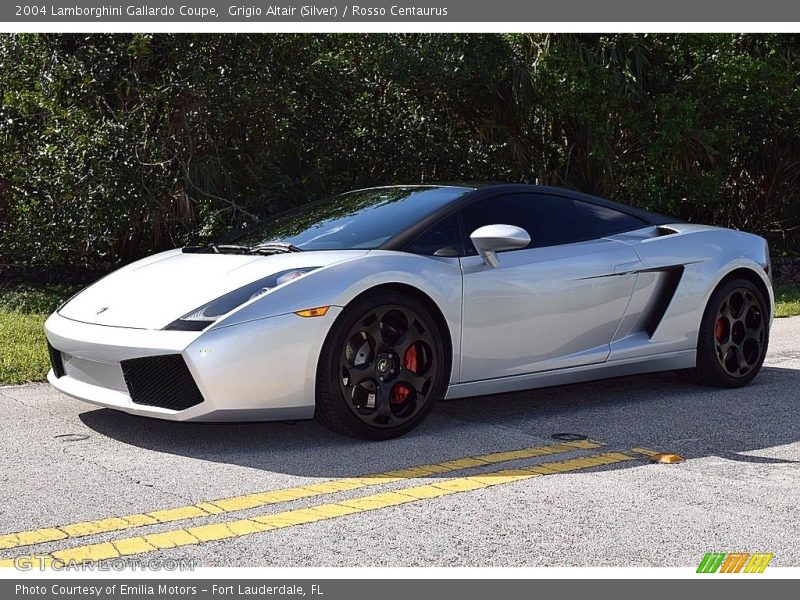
column 490, row 239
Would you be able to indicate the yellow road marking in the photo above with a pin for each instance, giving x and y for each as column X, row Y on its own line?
column 645, row 451
column 248, row 501
column 292, row 518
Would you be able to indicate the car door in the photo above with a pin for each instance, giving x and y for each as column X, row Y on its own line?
column 556, row 303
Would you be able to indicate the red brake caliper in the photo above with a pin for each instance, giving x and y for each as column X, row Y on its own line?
column 410, row 359
column 719, row 329
column 402, row 391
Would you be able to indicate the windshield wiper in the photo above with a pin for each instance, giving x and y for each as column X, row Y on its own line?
column 274, row 247
column 267, row 248
column 215, row 249
column 229, row 249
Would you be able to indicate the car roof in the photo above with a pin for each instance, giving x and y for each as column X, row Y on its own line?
column 485, row 189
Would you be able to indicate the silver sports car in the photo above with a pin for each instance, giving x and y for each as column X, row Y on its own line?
column 365, row 308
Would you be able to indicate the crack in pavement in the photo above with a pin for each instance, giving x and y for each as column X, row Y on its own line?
column 36, row 407
column 122, row 474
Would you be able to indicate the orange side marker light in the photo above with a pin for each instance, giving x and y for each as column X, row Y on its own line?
column 319, row 311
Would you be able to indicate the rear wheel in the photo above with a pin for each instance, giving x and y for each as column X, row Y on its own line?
column 381, row 369
column 733, row 336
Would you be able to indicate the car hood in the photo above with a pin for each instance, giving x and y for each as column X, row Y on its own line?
column 153, row 292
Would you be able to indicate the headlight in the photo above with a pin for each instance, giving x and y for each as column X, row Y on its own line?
column 203, row 316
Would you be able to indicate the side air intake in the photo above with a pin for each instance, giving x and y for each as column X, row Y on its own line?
column 670, row 279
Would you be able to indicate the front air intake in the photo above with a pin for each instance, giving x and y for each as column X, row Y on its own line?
column 163, row 381
column 56, row 361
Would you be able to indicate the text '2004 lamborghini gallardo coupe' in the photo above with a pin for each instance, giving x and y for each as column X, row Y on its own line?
column 365, row 308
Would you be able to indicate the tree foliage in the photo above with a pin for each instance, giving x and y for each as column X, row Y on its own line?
column 116, row 146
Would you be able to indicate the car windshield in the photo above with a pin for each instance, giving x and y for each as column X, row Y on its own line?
column 363, row 219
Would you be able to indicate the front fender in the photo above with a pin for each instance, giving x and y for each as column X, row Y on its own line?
column 338, row 284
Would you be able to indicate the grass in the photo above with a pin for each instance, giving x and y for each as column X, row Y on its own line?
column 23, row 349
column 24, row 356
column 787, row 301
column 23, row 310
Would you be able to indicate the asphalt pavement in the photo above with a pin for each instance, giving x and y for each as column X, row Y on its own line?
column 481, row 483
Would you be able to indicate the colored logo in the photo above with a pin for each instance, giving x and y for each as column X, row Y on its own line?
column 734, row 562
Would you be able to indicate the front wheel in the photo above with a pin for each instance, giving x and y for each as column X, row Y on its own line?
column 381, row 369
column 733, row 337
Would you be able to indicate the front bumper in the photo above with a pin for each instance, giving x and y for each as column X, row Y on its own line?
column 258, row 370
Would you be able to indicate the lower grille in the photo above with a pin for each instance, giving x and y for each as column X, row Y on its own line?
column 56, row 361
column 163, row 381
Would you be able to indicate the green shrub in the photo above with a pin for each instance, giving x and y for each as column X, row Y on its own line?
column 116, row 146
column 35, row 299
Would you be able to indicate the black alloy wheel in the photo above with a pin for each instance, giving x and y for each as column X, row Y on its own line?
column 385, row 364
column 734, row 336
column 740, row 332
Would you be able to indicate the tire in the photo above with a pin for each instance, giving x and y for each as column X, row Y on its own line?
column 381, row 368
column 733, row 337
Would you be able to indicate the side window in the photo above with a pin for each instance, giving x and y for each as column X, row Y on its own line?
column 444, row 238
column 549, row 220
column 607, row 221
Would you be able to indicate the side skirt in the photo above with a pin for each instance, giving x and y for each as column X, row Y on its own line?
column 668, row 361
